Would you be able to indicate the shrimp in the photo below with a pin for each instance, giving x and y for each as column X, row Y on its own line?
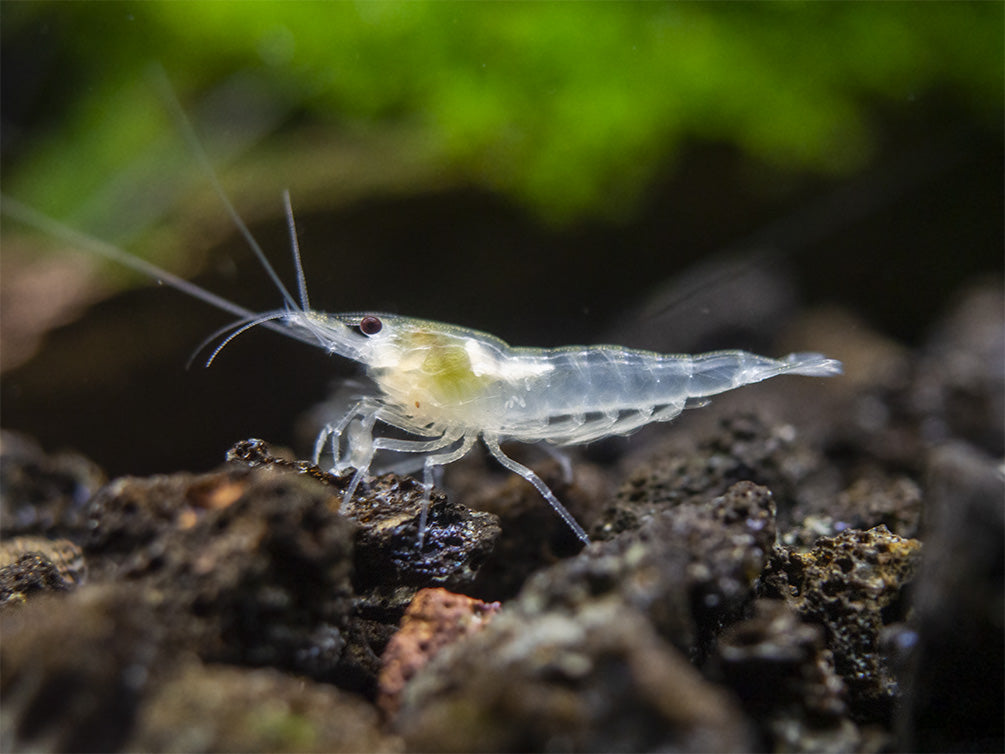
column 449, row 387
column 452, row 386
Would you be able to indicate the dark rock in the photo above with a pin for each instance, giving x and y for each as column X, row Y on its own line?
column 75, row 669
column 874, row 499
column 960, row 386
column 596, row 678
column 689, row 569
column 250, row 566
column 389, row 564
column 31, row 565
column 455, row 543
column 784, row 675
column 576, row 663
column 852, row 584
column 257, row 453
column 894, row 404
column 533, row 535
column 218, row 708
column 870, row 420
column 44, row 494
column 130, row 517
column 745, row 447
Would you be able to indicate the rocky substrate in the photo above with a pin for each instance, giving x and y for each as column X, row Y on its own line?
column 804, row 565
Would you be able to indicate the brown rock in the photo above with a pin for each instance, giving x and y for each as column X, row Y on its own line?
column 848, row 583
column 31, row 564
column 594, row 679
column 220, row 708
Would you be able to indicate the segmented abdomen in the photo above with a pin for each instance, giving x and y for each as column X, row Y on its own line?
column 596, row 392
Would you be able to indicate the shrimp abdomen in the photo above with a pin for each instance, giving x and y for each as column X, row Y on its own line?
column 595, row 392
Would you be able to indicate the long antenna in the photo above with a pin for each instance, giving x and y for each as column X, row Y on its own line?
column 159, row 78
column 291, row 224
column 25, row 214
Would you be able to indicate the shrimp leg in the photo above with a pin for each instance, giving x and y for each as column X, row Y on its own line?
column 362, row 409
column 492, row 443
column 362, row 445
column 360, row 442
column 432, row 465
column 360, row 455
column 334, row 431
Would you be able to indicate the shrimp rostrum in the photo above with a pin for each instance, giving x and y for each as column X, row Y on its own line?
column 448, row 387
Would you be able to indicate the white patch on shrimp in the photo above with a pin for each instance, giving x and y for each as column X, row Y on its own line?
column 486, row 364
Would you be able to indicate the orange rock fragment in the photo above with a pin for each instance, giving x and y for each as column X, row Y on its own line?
column 434, row 619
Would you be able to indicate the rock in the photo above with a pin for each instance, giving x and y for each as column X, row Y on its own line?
column 580, row 660
column 960, row 386
column 533, row 536
column 873, row 499
column 688, row 569
column 75, row 669
column 784, row 675
column 30, row 565
column 456, row 544
column 744, row 447
column 387, row 508
column 246, row 566
column 220, row 708
column 596, row 678
column 852, row 584
column 44, row 494
column 435, row 619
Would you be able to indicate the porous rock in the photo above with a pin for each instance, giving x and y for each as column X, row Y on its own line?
column 242, row 565
column 745, row 447
column 533, row 535
column 596, row 678
column 434, row 619
column 959, row 390
column 780, row 668
column 875, row 498
column 388, row 508
column 688, row 569
column 454, row 546
column 852, row 584
column 33, row 565
column 44, row 494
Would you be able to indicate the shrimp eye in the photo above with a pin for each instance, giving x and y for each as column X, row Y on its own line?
column 370, row 325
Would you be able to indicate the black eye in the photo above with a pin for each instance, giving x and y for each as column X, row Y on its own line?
column 370, row 325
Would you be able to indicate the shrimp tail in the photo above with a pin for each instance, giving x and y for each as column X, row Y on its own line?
column 811, row 365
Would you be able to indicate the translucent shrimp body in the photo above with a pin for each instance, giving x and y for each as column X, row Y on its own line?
column 453, row 386
column 450, row 386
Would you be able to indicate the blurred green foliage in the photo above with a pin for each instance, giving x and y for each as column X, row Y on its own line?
column 569, row 108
